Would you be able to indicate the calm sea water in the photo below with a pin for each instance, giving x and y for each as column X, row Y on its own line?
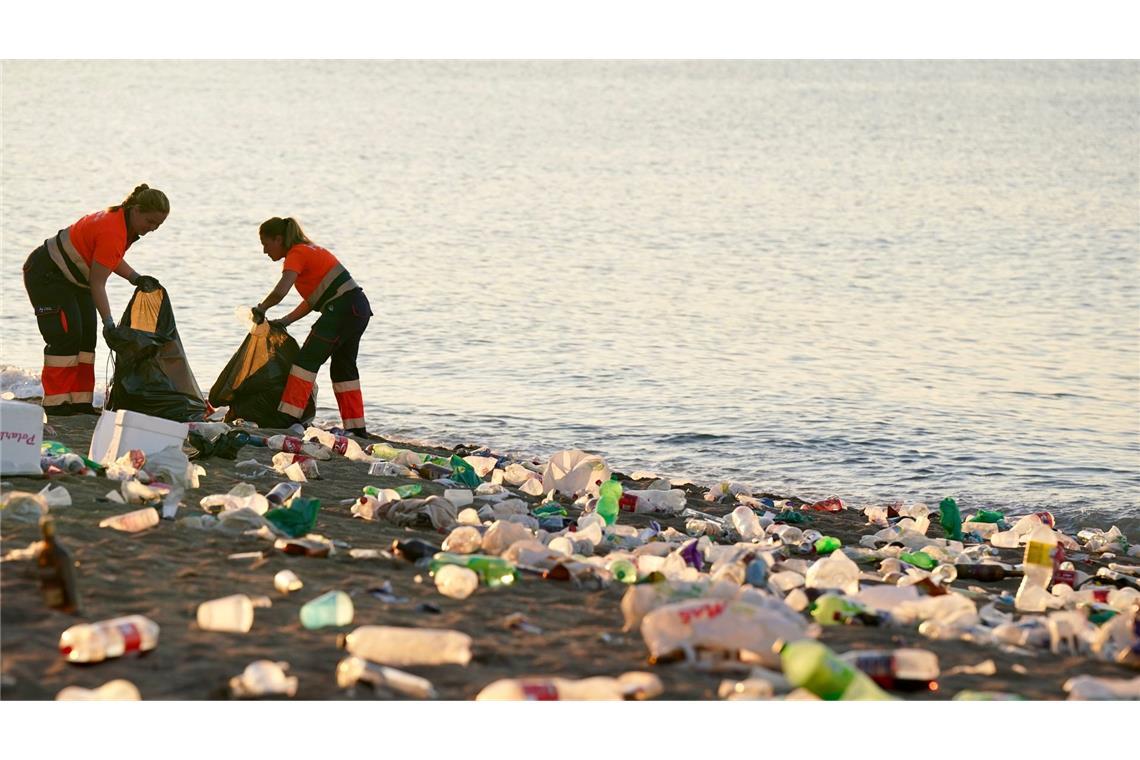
column 877, row 280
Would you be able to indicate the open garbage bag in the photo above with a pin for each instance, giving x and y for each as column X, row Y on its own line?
column 575, row 472
column 253, row 380
column 152, row 375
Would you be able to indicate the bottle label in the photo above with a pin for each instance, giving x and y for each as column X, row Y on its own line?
column 340, row 445
column 1039, row 554
column 291, row 445
column 627, row 503
column 132, row 639
column 539, row 691
column 1068, row 577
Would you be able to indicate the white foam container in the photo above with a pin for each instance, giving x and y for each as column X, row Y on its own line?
column 21, row 433
column 120, row 431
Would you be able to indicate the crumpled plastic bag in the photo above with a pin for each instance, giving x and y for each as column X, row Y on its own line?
column 297, row 519
column 574, row 473
column 502, row 534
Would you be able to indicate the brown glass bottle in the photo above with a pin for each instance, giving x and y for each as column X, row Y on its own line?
column 56, row 569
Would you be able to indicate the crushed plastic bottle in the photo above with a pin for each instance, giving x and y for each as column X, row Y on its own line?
column 132, row 522
column 720, row 624
column 1091, row 687
column 264, row 678
column 353, row 670
column 665, row 502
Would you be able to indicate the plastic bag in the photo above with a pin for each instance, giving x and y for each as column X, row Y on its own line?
column 253, row 380
column 297, row 519
column 152, row 375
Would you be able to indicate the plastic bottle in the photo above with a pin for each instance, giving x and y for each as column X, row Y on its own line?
column 120, row 690
column 609, row 494
column 898, row 669
column 56, row 569
column 987, row 516
column 826, row 545
column 670, row 502
column 456, row 582
column 263, row 678
column 353, row 670
column 950, row 519
column 286, row 581
column 811, row 665
column 283, row 493
column 95, row 642
column 542, row 689
column 835, row 609
column 493, row 571
column 720, row 624
column 132, row 522
column 622, row 570
column 746, row 523
column 295, row 445
column 338, row 444
column 333, row 608
column 1092, row 687
column 1038, row 566
column 230, row 614
column 835, row 571
column 397, row 646
column 918, row 559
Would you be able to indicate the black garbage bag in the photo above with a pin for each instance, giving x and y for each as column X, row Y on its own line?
column 151, row 374
column 253, row 380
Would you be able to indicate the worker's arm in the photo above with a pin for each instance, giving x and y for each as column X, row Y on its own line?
column 98, row 280
column 126, row 271
column 280, row 290
column 302, row 309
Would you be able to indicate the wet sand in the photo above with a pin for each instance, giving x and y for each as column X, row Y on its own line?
column 166, row 571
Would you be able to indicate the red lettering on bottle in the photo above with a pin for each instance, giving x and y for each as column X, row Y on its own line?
column 539, row 691
column 340, row 445
column 627, row 503
column 132, row 638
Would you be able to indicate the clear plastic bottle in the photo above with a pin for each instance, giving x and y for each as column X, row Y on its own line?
column 1040, row 551
column 456, row 582
column 333, row 608
column 628, row 686
column 669, row 502
column 811, row 665
column 120, row 690
column 283, row 493
column 746, row 523
column 338, row 444
column 229, row 614
column 901, row 669
column 720, row 624
column 835, row 571
column 353, row 670
column 397, row 646
column 95, row 642
column 494, row 571
column 132, row 522
column 295, row 445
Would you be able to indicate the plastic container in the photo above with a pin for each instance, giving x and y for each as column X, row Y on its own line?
column 120, row 690
column 230, row 614
column 338, row 444
column 494, row 571
column 132, row 522
column 746, row 523
column 118, row 432
column 391, row 645
column 669, row 502
column 333, row 608
column 902, row 669
column 287, row 581
column 1038, row 566
column 456, row 582
column 810, row 665
column 95, row 642
column 21, row 432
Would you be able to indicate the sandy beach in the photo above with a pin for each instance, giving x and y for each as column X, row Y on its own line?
column 166, row 571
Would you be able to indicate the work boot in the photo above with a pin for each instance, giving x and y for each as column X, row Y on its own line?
column 60, row 410
column 85, row 409
column 363, row 434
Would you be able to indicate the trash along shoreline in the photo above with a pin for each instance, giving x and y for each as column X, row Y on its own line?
column 458, row 577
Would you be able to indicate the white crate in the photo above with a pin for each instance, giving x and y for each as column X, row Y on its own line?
column 21, row 433
column 120, row 431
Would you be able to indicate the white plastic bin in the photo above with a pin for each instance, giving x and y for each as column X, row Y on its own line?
column 21, row 433
column 120, row 431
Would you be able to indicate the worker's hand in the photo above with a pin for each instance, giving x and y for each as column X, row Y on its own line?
column 258, row 315
column 146, row 283
column 280, row 324
column 108, row 329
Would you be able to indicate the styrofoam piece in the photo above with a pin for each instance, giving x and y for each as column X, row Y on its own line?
column 120, row 431
column 21, row 433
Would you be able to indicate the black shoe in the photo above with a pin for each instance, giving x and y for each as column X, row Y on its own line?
column 364, row 434
column 60, row 410
column 85, row 409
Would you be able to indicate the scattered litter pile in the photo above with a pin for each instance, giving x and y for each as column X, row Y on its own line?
column 421, row 573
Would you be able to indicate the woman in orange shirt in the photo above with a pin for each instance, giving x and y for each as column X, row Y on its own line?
column 325, row 286
column 66, row 280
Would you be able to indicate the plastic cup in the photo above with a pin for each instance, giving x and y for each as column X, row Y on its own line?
column 333, row 608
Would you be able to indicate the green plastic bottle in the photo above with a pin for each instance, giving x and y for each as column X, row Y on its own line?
column 463, row 472
column 919, row 559
column 812, row 666
column 950, row 519
column 608, row 496
column 493, row 571
column 834, row 609
column 988, row 516
column 623, row 570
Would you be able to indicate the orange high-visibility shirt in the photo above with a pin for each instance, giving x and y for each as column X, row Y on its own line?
column 320, row 276
column 101, row 237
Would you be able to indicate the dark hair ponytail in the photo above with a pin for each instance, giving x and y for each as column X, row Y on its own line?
column 145, row 198
column 285, row 228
